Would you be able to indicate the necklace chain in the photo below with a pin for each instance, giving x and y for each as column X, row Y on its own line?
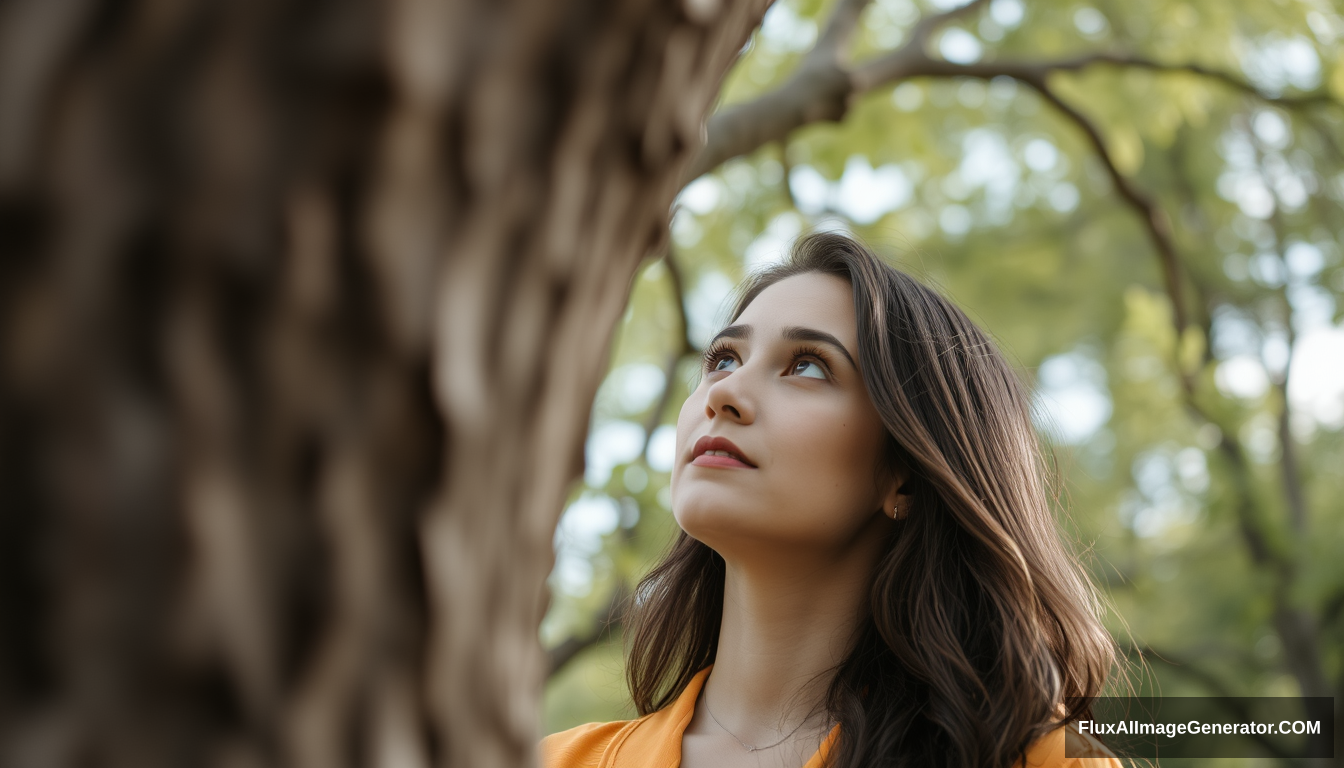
column 745, row 745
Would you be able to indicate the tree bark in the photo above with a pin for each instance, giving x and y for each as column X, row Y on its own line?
column 303, row 306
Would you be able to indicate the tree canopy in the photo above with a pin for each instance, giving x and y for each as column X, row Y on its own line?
column 1142, row 201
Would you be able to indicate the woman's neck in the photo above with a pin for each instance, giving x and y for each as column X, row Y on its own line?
column 787, row 625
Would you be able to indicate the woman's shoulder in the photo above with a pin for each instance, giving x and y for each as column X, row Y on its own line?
column 595, row 744
column 1065, row 747
column 654, row 739
column 582, row 745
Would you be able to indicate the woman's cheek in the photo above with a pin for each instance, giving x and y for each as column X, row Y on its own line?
column 821, row 451
column 846, row 460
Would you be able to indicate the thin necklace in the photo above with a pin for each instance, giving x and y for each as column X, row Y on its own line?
column 744, row 744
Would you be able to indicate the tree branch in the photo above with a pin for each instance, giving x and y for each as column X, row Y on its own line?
column 685, row 347
column 1298, row 630
column 1261, row 549
column 1154, row 220
column 679, row 299
column 818, row 91
column 901, row 64
column 809, row 95
column 1138, row 62
column 822, row 89
column 925, row 27
column 839, row 29
column 787, row 169
column 1290, row 472
column 1334, row 608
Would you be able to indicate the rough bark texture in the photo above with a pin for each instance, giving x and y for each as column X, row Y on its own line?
column 303, row 304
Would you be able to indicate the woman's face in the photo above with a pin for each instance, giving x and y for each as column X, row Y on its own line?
column 781, row 386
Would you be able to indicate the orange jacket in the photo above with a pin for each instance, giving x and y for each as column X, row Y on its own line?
column 654, row 741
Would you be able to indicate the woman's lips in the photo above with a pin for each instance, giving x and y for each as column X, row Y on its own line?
column 719, row 452
column 707, row 460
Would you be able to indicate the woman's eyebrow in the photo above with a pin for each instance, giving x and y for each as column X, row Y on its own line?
column 733, row 332
column 792, row 333
column 798, row 333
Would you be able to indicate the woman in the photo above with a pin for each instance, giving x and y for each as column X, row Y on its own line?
column 868, row 573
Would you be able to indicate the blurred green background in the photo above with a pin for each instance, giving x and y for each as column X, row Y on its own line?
column 1209, row 515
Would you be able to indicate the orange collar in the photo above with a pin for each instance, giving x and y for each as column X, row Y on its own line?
column 654, row 741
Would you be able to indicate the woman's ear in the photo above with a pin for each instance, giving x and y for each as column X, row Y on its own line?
column 896, row 503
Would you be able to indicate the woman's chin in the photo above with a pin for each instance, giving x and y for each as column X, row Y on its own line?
column 711, row 522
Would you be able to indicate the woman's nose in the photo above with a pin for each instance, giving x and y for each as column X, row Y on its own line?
column 727, row 399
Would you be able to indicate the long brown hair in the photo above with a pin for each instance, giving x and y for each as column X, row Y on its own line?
column 983, row 631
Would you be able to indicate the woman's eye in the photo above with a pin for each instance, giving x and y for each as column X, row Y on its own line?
column 725, row 364
column 809, row 369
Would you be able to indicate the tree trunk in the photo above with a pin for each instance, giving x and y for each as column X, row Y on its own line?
column 303, row 304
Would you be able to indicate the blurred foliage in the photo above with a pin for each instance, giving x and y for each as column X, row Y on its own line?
column 985, row 191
